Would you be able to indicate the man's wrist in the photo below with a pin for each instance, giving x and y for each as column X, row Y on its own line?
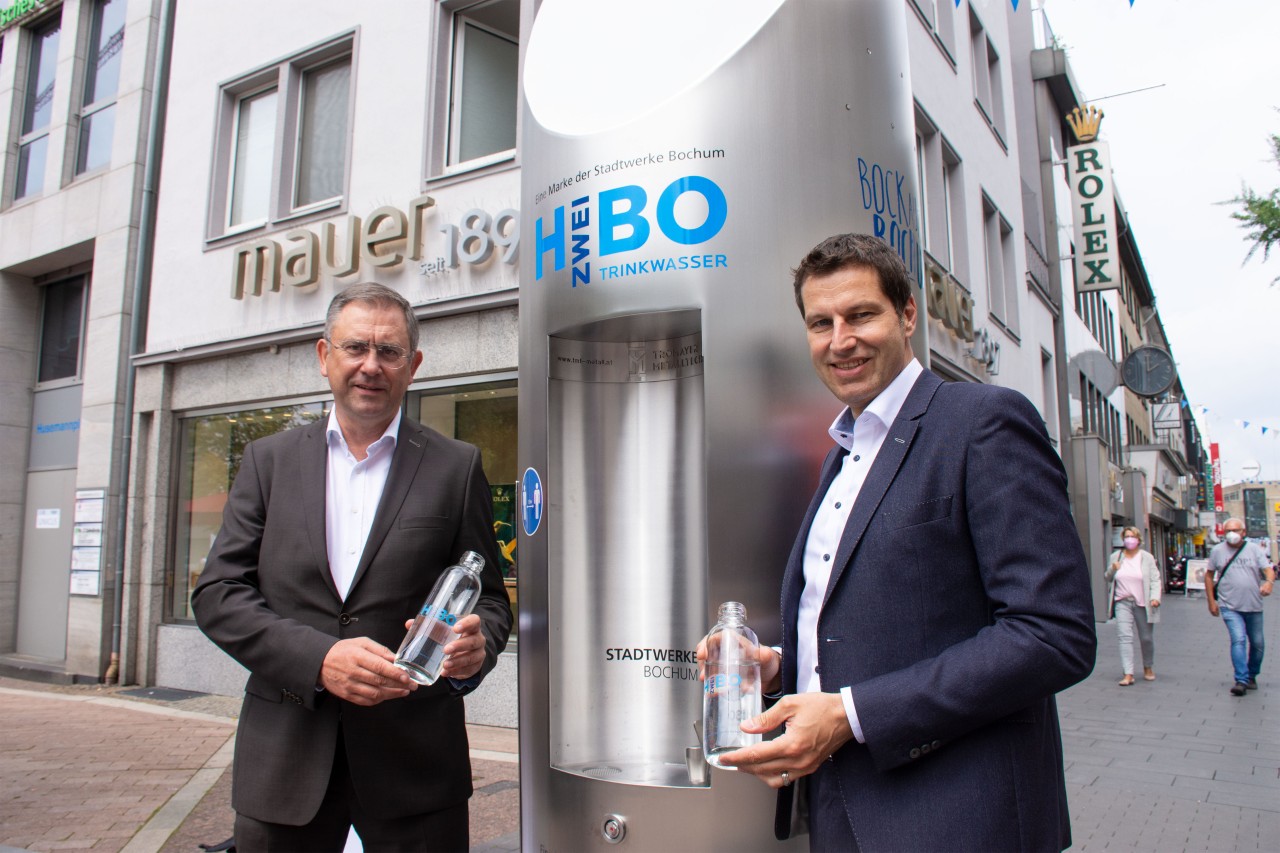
column 775, row 682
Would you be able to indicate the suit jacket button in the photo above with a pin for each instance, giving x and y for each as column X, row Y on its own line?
column 344, row 619
column 937, row 743
column 924, row 748
column 914, row 753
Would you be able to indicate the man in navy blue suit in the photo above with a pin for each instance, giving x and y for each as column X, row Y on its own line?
column 936, row 598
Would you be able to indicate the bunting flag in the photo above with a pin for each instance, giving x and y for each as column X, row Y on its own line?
column 1015, row 4
column 1267, row 430
column 1270, row 430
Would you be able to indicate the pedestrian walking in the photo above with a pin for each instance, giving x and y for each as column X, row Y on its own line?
column 1239, row 577
column 1134, row 592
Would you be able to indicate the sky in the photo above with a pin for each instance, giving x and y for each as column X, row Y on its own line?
column 1178, row 151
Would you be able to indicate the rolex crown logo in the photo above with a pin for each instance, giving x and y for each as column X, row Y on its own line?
column 1084, row 123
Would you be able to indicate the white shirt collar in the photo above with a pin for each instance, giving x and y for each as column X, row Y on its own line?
column 388, row 436
column 884, row 407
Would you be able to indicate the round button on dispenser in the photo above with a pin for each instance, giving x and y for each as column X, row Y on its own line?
column 614, row 828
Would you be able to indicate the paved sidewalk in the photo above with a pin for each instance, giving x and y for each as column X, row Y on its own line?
column 148, row 770
column 82, row 770
column 1177, row 763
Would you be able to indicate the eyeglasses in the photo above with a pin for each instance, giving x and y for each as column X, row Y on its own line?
column 389, row 355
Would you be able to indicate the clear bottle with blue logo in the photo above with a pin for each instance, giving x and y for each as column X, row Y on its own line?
column 453, row 597
column 731, row 689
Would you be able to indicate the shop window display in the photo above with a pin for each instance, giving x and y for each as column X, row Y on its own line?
column 212, row 446
column 484, row 415
column 209, row 457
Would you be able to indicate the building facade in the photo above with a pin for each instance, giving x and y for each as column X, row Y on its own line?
column 308, row 152
column 75, row 100
column 989, row 319
column 1132, row 449
column 1258, row 503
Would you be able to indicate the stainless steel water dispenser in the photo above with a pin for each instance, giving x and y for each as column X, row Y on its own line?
column 677, row 160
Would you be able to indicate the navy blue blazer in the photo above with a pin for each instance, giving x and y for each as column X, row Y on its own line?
column 958, row 605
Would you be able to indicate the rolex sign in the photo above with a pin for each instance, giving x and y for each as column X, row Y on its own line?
column 1094, row 213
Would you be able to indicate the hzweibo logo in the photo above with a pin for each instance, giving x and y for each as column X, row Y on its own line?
column 689, row 211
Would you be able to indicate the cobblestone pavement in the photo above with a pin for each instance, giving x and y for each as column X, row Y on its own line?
column 1174, row 764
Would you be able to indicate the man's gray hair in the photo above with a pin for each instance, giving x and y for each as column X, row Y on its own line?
column 375, row 294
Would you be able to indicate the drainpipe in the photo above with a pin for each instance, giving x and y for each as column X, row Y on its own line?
column 137, row 320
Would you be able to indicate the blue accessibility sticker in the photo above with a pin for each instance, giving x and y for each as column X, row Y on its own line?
column 531, row 501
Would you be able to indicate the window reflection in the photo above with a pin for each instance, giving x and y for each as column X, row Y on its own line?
column 210, row 453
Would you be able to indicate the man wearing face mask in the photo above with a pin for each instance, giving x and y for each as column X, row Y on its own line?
column 1239, row 576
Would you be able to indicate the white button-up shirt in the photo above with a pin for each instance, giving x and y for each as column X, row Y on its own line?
column 862, row 439
column 353, row 489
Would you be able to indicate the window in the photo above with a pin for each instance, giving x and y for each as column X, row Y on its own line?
column 988, row 90
column 253, row 158
column 1049, row 395
column 922, row 173
column 37, row 110
column 322, row 140
column 1137, row 435
column 283, row 139
column 1099, row 319
column 479, row 68
column 210, row 450
column 1002, row 273
column 101, row 83
column 939, row 17
column 953, row 209
column 941, row 197
column 1099, row 417
column 61, row 330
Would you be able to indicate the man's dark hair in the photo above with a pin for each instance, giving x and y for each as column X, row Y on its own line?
column 374, row 294
column 857, row 250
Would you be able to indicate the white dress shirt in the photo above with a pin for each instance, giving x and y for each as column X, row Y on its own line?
column 353, row 489
column 862, row 439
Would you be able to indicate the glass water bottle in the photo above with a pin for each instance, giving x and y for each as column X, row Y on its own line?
column 453, row 597
column 731, row 691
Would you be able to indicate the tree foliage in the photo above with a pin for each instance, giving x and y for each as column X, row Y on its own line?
column 1260, row 214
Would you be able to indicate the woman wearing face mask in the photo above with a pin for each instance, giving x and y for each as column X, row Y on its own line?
column 1134, row 594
